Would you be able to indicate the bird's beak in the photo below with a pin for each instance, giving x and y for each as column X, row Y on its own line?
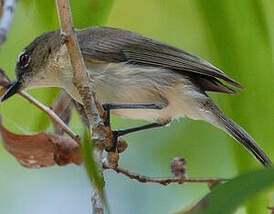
column 13, row 89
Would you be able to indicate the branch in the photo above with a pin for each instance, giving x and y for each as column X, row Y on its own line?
column 164, row 181
column 7, row 16
column 100, row 135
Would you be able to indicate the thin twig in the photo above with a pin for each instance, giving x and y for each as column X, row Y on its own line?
column 164, row 181
column 7, row 16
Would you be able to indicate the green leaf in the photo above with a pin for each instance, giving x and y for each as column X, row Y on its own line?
column 90, row 164
column 226, row 198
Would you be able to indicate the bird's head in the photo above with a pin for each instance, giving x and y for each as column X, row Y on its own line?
column 33, row 67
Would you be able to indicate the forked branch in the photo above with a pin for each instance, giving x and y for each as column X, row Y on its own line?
column 93, row 110
column 167, row 180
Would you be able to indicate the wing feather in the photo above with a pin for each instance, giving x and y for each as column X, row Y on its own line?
column 117, row 45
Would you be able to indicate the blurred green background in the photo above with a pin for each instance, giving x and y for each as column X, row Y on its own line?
column 236, row 36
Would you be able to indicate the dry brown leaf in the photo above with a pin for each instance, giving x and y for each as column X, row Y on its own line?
column 41, row 150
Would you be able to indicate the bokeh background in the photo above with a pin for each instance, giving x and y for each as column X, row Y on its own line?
column 236, row 36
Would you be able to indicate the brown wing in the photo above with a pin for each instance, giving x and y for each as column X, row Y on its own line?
column 116, row 45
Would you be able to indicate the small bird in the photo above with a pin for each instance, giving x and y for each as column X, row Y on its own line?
column 134, row 77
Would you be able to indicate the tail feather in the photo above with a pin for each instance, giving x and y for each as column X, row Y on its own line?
column 237, row 132
column 246, row 140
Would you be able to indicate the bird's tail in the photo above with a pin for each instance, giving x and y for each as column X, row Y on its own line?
column 216, row 117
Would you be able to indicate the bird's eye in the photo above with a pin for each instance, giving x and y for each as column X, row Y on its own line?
column 24, row 60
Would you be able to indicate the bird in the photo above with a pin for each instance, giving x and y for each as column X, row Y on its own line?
column 134, row 77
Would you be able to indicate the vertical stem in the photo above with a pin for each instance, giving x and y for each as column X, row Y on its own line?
column 93, row 110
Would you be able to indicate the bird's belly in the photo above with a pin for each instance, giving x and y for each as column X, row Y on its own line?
column 161, row 116
column 175, row 102
column 133, row 95
column 140, row 114
column 119, row 83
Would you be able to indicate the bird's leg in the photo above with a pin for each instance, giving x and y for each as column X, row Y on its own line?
column 122, row 132
column 117, row 133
